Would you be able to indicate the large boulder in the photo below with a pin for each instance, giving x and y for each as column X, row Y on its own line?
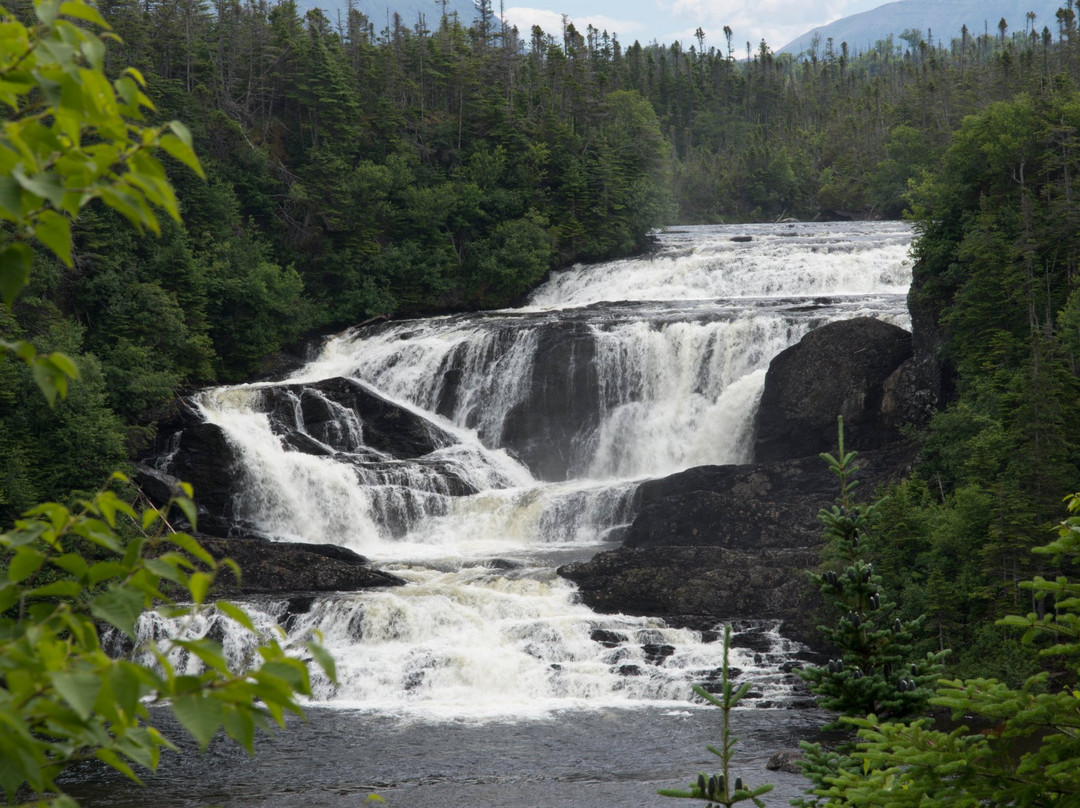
column 699, row 586
column 196, row 452
column 839, row 369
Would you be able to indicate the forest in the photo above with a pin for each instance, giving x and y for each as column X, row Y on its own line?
column 439, row 166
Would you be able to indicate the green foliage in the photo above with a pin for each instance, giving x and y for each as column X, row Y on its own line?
column 720, row 789
column 1026, row 752
column 70, row 573
column 70, row 136
column 875, row 671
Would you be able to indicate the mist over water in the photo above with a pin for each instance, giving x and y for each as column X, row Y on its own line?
column 485, row 633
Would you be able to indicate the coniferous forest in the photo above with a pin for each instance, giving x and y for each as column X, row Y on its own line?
column 444, row 164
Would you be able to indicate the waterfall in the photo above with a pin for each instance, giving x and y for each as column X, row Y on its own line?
column 529, row 431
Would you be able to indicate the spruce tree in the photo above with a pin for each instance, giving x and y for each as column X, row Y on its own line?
column 721, row 789
column 874, row 672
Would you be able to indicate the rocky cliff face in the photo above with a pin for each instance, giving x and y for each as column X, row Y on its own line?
column 722, row 542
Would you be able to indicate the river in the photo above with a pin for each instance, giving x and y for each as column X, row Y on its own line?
column 483, row 681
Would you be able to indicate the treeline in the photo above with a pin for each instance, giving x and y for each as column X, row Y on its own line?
column 758, row 135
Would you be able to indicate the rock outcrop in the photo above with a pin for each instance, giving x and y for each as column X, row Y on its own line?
column 722, row 542
column 839, row 369
column 337, row 416
column 274, row 567
column 347, row 415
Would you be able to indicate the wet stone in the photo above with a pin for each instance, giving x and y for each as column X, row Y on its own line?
column 655, row 654
column 608, row 639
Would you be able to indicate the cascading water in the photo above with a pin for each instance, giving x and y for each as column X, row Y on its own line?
column 535, row 426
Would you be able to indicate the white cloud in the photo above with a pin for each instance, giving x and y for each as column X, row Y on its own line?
column 551, row 22
column 775, row 21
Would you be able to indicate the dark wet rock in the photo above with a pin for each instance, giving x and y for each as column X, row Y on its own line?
column 718, row 543
column 786, row 760
column 832, row 215
column 753, row 640
column 503, row 564
column 546, row 430
column 655, row 653
column 752, row 507
column 305, row 444
column 606, row 638
column 700, row 585
column 318, row 407
column 276, row 567
column 742, row 239
column 838, row 369
column 198, row 453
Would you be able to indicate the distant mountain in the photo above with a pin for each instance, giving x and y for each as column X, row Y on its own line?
column 381, row 12
column 944, row 18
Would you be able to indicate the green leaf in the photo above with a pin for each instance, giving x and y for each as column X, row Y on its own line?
column 15, row 263
column 120, row 606
column 72, row 563
column 110, row 757
column 201, row 716
column 57, row 589
column 79, row 690
column 236, row 613
column 240, row 725
column 103, row 570
column 325, row 660
column 46, row 186
column 190, row 545
column 199, row 585
column 177, row 148
column 292, row 671
column 10, row 199
column 123, row 686
column 149, row 516
column 83, row 11
column 47, row 10
column 131, row 207
column 50, row 381
column 190, row 512
column 142, row 746
column 54, row 231
column 26, row 562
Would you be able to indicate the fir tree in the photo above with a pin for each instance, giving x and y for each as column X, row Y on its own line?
column 875, row 672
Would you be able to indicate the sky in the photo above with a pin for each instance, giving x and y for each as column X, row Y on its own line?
column 776, row 21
